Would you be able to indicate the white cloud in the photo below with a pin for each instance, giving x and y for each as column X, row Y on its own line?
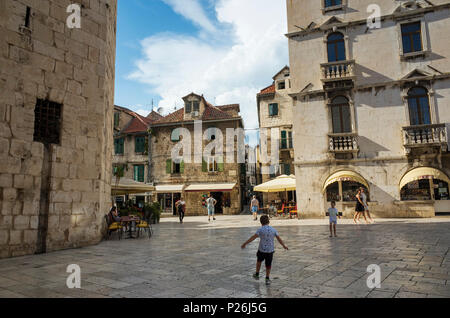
column 229, row 66
column 193, row 11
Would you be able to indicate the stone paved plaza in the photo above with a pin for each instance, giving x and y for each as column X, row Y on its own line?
column 201, row 259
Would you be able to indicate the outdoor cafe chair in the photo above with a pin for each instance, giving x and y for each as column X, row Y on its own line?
column 293, row 211
column 145, row 224
column 282, row 210
column 113, row 227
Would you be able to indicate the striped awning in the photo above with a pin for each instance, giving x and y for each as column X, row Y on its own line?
column 210, row 187
column 128, row 186
column 169, row 188
column 423, row 173
column 345, row 175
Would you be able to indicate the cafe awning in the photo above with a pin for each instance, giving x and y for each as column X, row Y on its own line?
column 169, row 188
column 128, row 186
column 423, row 173
column 279, row 184
column 345, row 175
column 210, row 187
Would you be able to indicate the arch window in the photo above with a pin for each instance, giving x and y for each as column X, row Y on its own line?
column 419, row 106
column 340, row 114
column 336, row 47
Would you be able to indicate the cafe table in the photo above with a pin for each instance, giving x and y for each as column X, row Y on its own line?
column 128, row 220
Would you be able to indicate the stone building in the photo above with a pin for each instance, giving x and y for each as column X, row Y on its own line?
column 131, row 154
column 371, row 104
column 275, row 112
column 204, row 174
column 56, row 124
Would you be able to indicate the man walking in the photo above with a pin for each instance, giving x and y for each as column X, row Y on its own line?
column 181, row 208
column 254, row 207
column 210, row 203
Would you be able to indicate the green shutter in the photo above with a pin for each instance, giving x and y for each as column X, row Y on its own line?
column 139, row 144
column 118, row 146
column 182, row 167
column 283, row 140
column 220, row 164
column 275, row 106
column 290, row 140
column 287, row 169
column 135, row 173
column 168, row 166
column 204, row 165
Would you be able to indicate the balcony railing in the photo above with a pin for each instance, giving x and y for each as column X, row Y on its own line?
column 342, row 143
column 341, row 70
column 425, row 135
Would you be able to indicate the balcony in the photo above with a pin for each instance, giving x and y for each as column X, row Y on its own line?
column 343, row 143
column 425, row 136
column 338, row 75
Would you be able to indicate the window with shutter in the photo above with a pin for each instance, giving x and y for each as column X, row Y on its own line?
column 140, row 144
column 273, row 109
column 283, row 144
column 139, row 173
column 118, row 146
column 168, row 166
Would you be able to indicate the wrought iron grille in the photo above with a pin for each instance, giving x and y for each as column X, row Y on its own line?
column 47, row 122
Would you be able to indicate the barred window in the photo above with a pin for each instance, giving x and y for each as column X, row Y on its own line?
column 47, row 122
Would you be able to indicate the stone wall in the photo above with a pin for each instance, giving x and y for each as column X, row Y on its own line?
column 73, row 67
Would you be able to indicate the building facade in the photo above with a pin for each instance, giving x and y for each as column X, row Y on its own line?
column 195, row 178
column 131, row 151
column 371, row 104
column 56, row 124
column 274, row 106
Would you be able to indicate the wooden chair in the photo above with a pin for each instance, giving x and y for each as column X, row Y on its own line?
column 145, row 224
column 113, row 227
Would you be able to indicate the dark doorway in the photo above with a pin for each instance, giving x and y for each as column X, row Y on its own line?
column 176, row 197
column 219, row 205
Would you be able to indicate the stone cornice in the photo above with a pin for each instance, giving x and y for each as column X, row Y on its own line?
column 392, row 16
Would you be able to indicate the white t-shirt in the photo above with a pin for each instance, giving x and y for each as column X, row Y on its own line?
column 333, row 213
column 210, row 202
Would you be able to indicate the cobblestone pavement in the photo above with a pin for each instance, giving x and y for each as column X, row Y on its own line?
column 201, row 259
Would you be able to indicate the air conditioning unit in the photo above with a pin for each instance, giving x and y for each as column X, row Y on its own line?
column 195, row 114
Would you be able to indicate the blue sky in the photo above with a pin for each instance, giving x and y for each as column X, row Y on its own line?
column 225, row 49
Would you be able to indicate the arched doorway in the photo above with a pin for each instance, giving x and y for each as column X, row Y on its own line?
column 342, row 187
column 426, row 183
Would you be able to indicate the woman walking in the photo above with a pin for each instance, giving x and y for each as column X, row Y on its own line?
column 366, row 206
column 359, row 208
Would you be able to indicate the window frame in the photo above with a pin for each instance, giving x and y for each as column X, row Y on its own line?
column 334, row 7
column 278, row 110
column 424, row 37
column 136, row 150
column 410, row 36
column 419, row 108
column 122, row 146
column 336, row 47
column 137, row 169
column 340, row 106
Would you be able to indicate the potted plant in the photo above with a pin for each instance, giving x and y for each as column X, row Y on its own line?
column 156, row 212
